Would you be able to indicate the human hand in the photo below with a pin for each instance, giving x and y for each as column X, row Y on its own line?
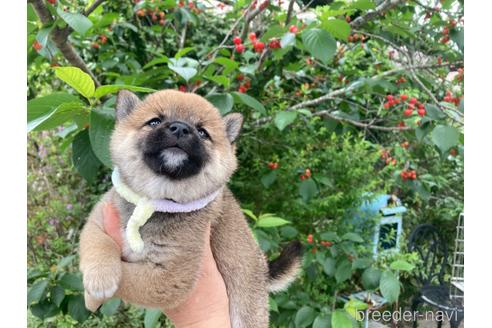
column 208, row 304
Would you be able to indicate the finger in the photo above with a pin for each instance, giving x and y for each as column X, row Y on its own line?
column 111, row 223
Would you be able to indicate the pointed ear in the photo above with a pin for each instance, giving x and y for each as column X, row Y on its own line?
column 126, row 102
column 233, row 122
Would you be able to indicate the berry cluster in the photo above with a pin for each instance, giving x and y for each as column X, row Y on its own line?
column 306, row 175
column 356, row 37
column 244, row 87
column 155, row 15
column 445, row 31
column 53, row 2
column 408, row 175
column 385, row 156
column 272, row 165
column 400, row 80
column 450, row 99
column 412, row 104
column 310, row 240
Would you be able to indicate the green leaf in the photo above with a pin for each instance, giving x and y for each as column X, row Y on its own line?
column 329, row 266
column 65, row 261
column 340, row 319
column 37, row 291
column 219, row 79
column 56, row 117
column 434, row 112
column 320, row 44
column 83, row 157
column 72, row 281
column 77, row 79
column 151, row 317
column 353, row 308
column 100, row 130
column 363, row 4
column 76, row 308
column 361, row 263
column 222, row 101
column 353, row 237
column 288, row 39
column 42, row 105
column 304, row 317
column 402, row 265
column 308, row 189
column 229, row 64
column 445, row 137
column 283, row 119
column 370, row 278
column 78, row 22
column 112, row 88
column 183, row 52
column 186, row 73
column 389, row 286
column 270, row 222
column 343, row 271
column 249, row 213
column 322, row 321
column 339, row 28
column 330, row 236
column 57, row 294
column 289, row 232
column 249, row 101
column 44, row 309
column 272, row 305
column 458, row 36
column 156, row 61
column 110, row 306
column 268, row 179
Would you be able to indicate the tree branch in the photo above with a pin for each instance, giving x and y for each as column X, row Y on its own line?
column 289, row 12
column 382, row 8
column 335, row 93
column 60, row 39
column 93, row 7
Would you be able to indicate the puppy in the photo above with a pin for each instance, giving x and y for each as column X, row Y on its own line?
column 175, row 147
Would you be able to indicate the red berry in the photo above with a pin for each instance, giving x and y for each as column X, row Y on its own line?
column 421, row 112
column 141, row 12
column 273, row 165
column 347, row 19
column 242, row 89
column 252, row 36
column 389, row 97
column 413, row 101
column 401, row 124
column 95, row 45
column 259, row 46
column 293, row 29
column 182, row 88
column 237, row 40
column 453, row 152
column 52, row 1
column 274, row 44
column 408, row 112
column 264, row 4
column 239, row 48
column 240, row 77
column 403, row 97
column 162, row 14
column 326, row 243
column 303, row 177
column 36, row 45
column 307, row 173
column 387, row 105
column 162, row 22
column 104, row 39
column 309, row 239
column 181, row 4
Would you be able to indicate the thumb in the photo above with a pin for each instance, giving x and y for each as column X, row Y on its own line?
column 111, row 223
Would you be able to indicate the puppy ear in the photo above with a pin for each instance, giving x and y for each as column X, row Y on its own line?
column 233, row 122
column 126, row 102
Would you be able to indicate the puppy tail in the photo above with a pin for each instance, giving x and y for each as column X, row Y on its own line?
column 284, row 269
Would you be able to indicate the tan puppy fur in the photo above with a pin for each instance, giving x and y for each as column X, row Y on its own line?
column 157, row 162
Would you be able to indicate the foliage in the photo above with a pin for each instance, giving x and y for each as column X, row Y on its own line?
column 337, row 108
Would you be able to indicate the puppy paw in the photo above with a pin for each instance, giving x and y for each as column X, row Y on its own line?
column 101, row 282
column 92, row 303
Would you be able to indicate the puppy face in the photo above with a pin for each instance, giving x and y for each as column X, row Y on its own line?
column 173, row 145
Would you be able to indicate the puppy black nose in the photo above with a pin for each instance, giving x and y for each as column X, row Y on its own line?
column 179, row 129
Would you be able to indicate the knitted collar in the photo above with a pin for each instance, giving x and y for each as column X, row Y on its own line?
column 145, row 207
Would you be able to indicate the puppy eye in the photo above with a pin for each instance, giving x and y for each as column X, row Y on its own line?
column 154, row 122
column 203, row 133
